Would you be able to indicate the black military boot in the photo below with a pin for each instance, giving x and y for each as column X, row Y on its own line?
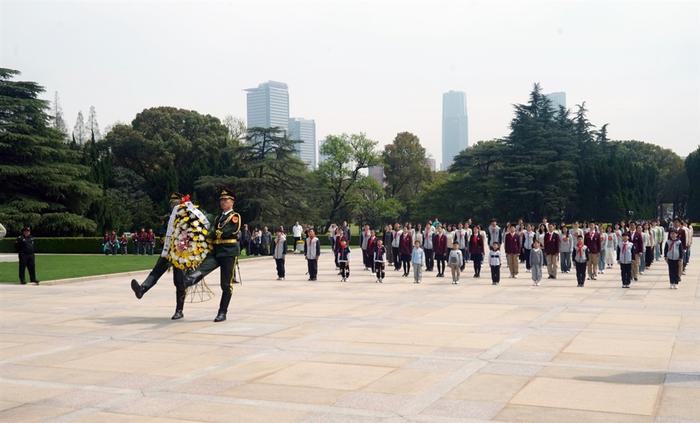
column 139, row 290
column 159, row 269
column 179, row 304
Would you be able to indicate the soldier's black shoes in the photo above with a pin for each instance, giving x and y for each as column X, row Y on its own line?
column 136, row 288
column 178, row 315
column 220, row 317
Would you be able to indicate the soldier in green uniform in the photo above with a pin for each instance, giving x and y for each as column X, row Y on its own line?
column 226, row 249
column 161, row 266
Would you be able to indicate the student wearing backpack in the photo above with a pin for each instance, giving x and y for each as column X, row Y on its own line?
column 455, row 261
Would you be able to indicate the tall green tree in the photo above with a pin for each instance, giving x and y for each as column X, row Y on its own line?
column 171, row 148
column 692, row 169
column 346, row 155
column 405, row 167
column 537, row 171
column 370, row 204
column 270, row 180
column 43, row 183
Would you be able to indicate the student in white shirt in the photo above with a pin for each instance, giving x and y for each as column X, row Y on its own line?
column 495, row 257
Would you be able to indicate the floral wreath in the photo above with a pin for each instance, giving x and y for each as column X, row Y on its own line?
column 188, row 244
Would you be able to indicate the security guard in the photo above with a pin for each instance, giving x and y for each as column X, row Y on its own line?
column 25, row 249
column 159, row 269
column 224, row 238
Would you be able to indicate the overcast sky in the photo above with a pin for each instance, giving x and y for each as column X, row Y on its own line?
column 374, row 66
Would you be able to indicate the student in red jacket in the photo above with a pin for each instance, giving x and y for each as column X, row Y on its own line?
column 551, row 250
column 512, row 241
column 476, row 248
column 406, row 249
column 371, row 248
column 440, row 250
column 593, row 242
column 637, row 239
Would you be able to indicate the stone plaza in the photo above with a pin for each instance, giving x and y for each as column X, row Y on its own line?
column 300, row 351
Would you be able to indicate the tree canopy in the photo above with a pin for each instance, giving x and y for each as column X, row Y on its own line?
column 43, row 183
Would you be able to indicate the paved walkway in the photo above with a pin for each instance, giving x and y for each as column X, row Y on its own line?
column 358, row 352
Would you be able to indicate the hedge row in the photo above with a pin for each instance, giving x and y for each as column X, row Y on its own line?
column 77, row 245
column 87, row 245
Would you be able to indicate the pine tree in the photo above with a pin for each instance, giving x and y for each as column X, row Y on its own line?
column 43, row 183
column 92, row 127
column 80, row 135
column 58, row 121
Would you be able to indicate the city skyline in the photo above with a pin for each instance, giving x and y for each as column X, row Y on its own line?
column 267, row 105
column 304, row 130
column 455, row 126
column 381, row 80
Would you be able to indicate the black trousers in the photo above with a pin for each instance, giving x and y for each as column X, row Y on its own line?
column 365, row 259
column 26, row 261
column 496, row 274
column 280, row 267
column 440, row 259
column 477, row 259
column 429, row 260
column 227, row 276
column 626, row 273
column 527, row 258
column 313, row 268
column 180, row 289
column 397, row 257
column 673, row 275
column 379, row 266
column 580, row 272
column 344, row 269
column 406, row 262
column 648, row 256
column 162, row 265
column 466, row 257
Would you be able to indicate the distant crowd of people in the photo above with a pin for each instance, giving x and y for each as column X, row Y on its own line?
column 589, row 248
column 144, row 242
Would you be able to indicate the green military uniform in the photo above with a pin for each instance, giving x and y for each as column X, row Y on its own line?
column 162, row 265
column 223, row 235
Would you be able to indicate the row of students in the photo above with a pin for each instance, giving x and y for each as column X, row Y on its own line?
column 553, row 246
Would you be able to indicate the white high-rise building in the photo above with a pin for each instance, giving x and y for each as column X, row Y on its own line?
column 557, row 99
column 455, row 135
column 268, row 105
column 304, row 130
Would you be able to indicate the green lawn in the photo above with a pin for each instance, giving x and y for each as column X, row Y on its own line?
column 61, row 266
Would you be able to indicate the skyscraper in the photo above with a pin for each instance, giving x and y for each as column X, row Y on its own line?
column 557, row 99
column 304, row 130
column 377, row 173
column 455, row 136
column 268, row 105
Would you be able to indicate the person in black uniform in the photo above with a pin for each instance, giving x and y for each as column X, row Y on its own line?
column 161, row 266
column 224, row 237
column 25, row 249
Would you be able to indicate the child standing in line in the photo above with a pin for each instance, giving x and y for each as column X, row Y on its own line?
column 673, row 253
column 380, row 260
column 455, row 261
column 580, row 260
column 495, row 263
column 626, row 260
column 344, row 260
column 536, row 262
column 418, row 260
